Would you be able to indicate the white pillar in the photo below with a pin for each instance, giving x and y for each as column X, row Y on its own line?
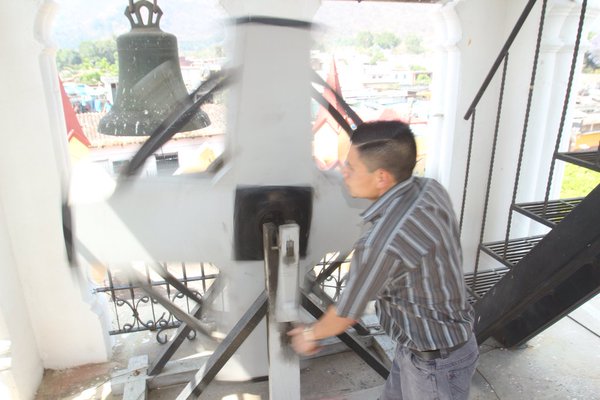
column 483, row 32
column 49, row 316
column 21, row 368
column 444, row 94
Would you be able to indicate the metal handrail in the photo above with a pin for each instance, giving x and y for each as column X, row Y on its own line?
column 503, row 52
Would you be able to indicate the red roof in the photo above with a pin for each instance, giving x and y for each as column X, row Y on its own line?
column 73, row 127
column 323, row 115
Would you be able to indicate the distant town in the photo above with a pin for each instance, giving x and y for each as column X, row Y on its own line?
column 381, row 74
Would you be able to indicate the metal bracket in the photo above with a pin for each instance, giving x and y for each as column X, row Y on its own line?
column 281, row 270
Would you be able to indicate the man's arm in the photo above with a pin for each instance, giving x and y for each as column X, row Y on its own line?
column 305, row 338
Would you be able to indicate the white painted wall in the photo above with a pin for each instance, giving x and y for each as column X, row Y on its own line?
column 45, row 312
column 474, row 32
column 20, row 364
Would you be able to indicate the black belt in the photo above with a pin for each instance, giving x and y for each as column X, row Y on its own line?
column 429, row 355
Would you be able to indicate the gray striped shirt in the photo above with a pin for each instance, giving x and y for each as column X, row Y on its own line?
column 410, row 261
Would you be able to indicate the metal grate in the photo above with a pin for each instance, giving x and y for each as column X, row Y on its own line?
column 585, row 159
column 479, row 285
column 551, row 213
column 511, row 252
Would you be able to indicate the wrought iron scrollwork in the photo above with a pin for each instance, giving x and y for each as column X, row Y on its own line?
column 135, row 311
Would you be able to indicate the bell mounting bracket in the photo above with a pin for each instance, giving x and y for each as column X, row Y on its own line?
column 153, row 10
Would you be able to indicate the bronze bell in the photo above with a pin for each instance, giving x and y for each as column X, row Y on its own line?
column 150, row 81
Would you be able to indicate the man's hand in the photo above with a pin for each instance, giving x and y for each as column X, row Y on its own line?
column 303, row 340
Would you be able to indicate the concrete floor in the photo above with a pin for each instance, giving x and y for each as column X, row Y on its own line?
column 561, row 363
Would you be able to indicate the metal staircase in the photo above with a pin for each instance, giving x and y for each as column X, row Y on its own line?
column 550, row 276
column 541, row 278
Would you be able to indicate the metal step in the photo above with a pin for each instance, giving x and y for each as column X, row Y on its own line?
column 558, row 273
column 511, row 252
column 550, row 214
column 585, row 159
column 478, row 285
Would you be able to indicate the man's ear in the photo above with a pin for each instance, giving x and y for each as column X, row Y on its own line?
column 384, row 179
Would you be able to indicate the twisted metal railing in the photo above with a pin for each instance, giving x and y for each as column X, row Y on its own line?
column 501, row 251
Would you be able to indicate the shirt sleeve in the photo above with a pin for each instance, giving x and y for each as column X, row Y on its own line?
column 368, row 276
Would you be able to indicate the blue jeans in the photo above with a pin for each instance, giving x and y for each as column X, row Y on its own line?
column 412, row 378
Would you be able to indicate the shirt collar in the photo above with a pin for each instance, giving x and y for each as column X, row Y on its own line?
column 376, row 209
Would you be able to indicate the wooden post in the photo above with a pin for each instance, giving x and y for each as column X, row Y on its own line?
column 281, row 270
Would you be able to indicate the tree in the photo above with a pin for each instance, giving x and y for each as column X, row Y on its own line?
column 66, row 58
column 93, row 60
column 376, row 56
column 387, row 40
column 423, row 79
column 414, row 44
column 99, row 49
column 365, row 39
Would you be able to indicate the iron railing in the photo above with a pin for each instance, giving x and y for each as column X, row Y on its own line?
column 133, row 310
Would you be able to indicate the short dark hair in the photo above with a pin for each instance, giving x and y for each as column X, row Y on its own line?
column 389, row 145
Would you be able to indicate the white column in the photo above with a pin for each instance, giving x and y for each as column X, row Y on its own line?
column 21, row 368
column 49, row 315
column 483, row 32
column 444, row 95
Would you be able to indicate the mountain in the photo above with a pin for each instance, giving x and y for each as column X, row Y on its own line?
column 189, row 20
column 198, row 23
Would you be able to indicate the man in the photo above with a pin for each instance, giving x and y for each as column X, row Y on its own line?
column 410, row 261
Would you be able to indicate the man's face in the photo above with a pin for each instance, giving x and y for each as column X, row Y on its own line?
column 360, row 182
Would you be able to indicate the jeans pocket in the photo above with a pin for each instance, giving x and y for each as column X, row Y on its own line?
column 423, row 366
column 459, row 380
